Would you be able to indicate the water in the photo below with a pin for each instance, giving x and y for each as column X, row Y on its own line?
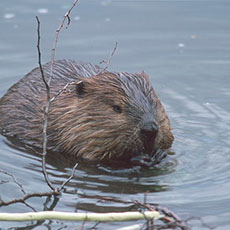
column 184, row 46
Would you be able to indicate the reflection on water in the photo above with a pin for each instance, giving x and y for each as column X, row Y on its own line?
column 184, row 47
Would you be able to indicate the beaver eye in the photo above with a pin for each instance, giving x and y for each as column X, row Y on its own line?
column 117, row 108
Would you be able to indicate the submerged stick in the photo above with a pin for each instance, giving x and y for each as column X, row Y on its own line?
column 94, row 217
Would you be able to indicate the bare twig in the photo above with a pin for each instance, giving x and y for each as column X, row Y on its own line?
column 67, row 15
column 68, row 23
column 70, row 177
column 19, row 185
column 27, row 196
column 14, row 179
column 39, row 53
column 108, row 61
column 171, row 218
column 49, row 99
column 83, row 223
column 46, row 110
column 169, row 213
column 62, row 90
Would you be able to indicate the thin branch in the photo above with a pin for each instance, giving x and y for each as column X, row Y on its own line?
column 169, row 213
column 39, row 53
column 170, row 217
column 27, row 196
column 14, row 179
column 47, row 84
column 69, row 20
column 46, row 110
column 83, row 224
column 70, row 177
column 109, row 60
column 19, row 185
column 62, row 90
column 67, row 15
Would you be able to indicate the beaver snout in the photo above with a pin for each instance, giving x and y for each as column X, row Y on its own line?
column 148, row 133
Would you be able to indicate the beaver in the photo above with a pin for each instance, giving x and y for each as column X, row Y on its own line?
column 103, row 116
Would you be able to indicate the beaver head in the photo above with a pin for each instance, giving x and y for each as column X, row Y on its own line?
column 110, row 115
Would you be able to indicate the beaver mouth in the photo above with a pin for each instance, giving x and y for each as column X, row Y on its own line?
column 147, row 134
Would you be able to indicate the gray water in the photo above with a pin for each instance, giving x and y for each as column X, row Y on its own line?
column 184, row 46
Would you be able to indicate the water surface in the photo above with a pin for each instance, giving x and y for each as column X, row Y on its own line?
column 184, row 46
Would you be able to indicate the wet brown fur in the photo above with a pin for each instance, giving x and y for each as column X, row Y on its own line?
column 85, row 125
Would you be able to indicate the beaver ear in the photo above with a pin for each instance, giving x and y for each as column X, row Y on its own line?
column 80, row 88
column 145, row 76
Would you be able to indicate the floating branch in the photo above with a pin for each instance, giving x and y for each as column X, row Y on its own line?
column 71, row 216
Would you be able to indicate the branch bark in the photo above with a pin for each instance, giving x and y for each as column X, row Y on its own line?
column 94, row 217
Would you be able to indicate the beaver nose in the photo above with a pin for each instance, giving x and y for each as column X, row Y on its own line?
column 148, row 134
